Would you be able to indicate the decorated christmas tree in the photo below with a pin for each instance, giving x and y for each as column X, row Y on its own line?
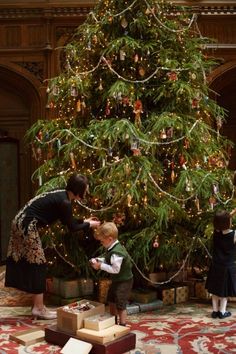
column 132, row 110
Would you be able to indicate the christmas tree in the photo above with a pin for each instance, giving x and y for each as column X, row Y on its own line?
column 133, row 111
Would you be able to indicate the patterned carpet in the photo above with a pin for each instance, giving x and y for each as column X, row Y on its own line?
column 184, row 328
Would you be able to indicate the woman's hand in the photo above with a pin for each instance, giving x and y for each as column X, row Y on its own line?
column 93, row 221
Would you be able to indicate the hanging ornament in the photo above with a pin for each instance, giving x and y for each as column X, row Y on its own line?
column 169, row 132
column 215, row 188
column 172, row 76
column 108, row 110
column 110, row 152
column 40, row 180
column 125, row 101
column 138, row 109
column 73, row 91
column 197, row 203
column 136, row 58
column 100, row 87
column 188, row 187
column 72, row 159
column 122, row 54
column 218, row 124
column 119, row 219
column 78, row 106
column 172, row 176
column 83, row 106
column 124, row 22
column 163, row 135
column 181, row 160
column 39, row 136
column 156, row 242
column 212, row 202
column 55, row 90
column 195, row 103
column 95, row 39
column 129, row 198
column 141, row 71
column 186, row 143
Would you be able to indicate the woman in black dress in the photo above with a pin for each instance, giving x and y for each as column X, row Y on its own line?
column 26, row 262
column 221, row 279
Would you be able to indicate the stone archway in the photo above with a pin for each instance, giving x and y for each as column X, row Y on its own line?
column 20, row 106
column 223, row 83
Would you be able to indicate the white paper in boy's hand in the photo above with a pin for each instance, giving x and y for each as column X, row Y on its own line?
column 76, row 346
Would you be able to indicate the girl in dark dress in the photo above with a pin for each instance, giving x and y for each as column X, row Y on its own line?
column 26, row 262
column 221, row 279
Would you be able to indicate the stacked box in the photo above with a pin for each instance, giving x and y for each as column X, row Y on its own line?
column 173, row 293
column 70, row 320
column 143, row 296
column 99, row 322
column 103, row 336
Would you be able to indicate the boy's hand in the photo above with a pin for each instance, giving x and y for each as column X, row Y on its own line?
column 95, row 263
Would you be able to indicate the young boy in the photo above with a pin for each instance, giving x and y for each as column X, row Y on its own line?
column 116, row 262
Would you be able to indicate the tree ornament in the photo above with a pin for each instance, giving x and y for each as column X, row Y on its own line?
column 55, row 90
column 186, row 143
column 181, row 160
column 122, row 55
column 136, row 58
column 72, row 159
column 74, row 91
column 129, row 198
column 119, row 219
column 110, row 152
column 215, row 188
column 163, row 135
column 212, row 202
column 141, row 71
column 108, row 110
column 169, row 132
column 100, row 87
column 125, row 101
column 172, row 76
column 197, row 203
column 172, row 175
column 124, row 22
column 78, row 106
column 219, row 124
column 156, row 242
column 138, row 109
column 195, row 103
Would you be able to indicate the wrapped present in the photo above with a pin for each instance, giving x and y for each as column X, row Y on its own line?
column 69, row 288
column 181, row 293
column 157, row 277
column 85, row 286
column 166, row 293
column 154, row 305
column 200, row 290
column 143, row 296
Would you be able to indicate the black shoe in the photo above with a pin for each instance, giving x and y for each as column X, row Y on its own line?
column 215, row 314
column 224, row 315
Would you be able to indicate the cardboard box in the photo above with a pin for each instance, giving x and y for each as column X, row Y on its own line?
column 104, row 336
column 143, row 296
column 99, row 322
column 70, row 322
column 76, row 346
column 29, row 336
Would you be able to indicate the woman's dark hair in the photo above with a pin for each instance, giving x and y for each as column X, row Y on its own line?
column 222, row 220
column 77, row 184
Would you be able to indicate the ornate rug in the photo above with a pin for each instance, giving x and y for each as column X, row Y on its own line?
column 186, row 329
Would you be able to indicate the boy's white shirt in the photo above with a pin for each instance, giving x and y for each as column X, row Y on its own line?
column 116, row 261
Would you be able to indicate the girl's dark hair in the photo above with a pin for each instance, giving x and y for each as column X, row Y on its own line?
column 77, row 184
column 221, row 220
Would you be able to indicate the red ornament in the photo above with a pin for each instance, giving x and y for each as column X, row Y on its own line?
column 156, row 242
column 172, row 76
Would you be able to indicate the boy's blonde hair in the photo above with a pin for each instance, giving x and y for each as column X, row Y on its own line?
column 107, row 229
